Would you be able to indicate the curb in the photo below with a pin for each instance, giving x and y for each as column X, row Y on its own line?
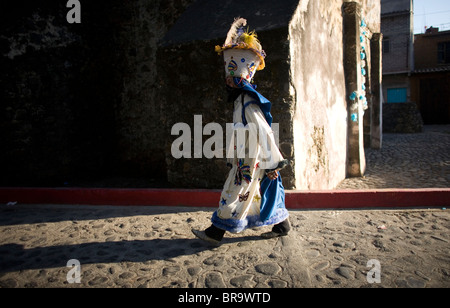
column 333, row 199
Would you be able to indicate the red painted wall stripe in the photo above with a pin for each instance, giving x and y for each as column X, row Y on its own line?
column 392, row 198
column 389, row 198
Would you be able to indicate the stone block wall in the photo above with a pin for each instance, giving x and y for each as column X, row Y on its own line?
column 58, row 86
column 77, row 100
column 402, row 118
column 140, row 114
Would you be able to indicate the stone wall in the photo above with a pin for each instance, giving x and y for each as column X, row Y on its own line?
column 77, row 100
column 58, row 85
column 192, row 83
column 402, row 118
column 98, row 99
column 140, row 114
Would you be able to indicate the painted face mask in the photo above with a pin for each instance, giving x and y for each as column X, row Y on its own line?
column 242, row 52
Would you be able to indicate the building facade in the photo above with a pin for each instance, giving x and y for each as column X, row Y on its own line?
column 415, row 70
column 397, row 26
column 430, row 81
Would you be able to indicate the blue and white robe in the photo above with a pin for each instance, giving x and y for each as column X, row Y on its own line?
column 249, row 198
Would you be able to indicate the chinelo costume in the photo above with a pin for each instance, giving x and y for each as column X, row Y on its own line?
column 249, row 197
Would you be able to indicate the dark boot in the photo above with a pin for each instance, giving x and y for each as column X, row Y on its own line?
column 281, row 229
column 211, row 235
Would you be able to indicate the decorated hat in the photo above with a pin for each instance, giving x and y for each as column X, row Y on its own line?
column 242, row 52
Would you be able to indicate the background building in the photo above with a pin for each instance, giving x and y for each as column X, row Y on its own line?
column 430, row 81
column 400, row 111
column 397, row 26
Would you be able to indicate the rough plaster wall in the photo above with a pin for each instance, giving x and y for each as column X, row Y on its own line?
column 318, row 84
column 372, row 14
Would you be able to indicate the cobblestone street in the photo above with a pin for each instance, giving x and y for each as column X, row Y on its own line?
column 154, row 247
column 407, row 161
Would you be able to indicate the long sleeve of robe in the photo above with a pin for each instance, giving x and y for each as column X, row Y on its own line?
column 249, row 198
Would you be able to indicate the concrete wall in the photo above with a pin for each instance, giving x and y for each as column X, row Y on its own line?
column 318, row 85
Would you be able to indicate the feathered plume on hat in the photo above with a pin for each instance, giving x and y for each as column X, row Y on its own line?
column 239, row 38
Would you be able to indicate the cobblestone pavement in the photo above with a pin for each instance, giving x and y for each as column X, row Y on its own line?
column 154, row 247
column 408, row 161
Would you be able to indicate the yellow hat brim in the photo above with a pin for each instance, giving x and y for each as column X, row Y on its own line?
column 260, row 53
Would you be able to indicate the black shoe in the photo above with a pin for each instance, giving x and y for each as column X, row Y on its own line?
column 202, row 235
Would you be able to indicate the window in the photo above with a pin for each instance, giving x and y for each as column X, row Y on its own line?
column 386, row 45
column 397, row 95
column 444, row 53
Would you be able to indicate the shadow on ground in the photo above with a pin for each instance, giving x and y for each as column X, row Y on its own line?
column 15, row 258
